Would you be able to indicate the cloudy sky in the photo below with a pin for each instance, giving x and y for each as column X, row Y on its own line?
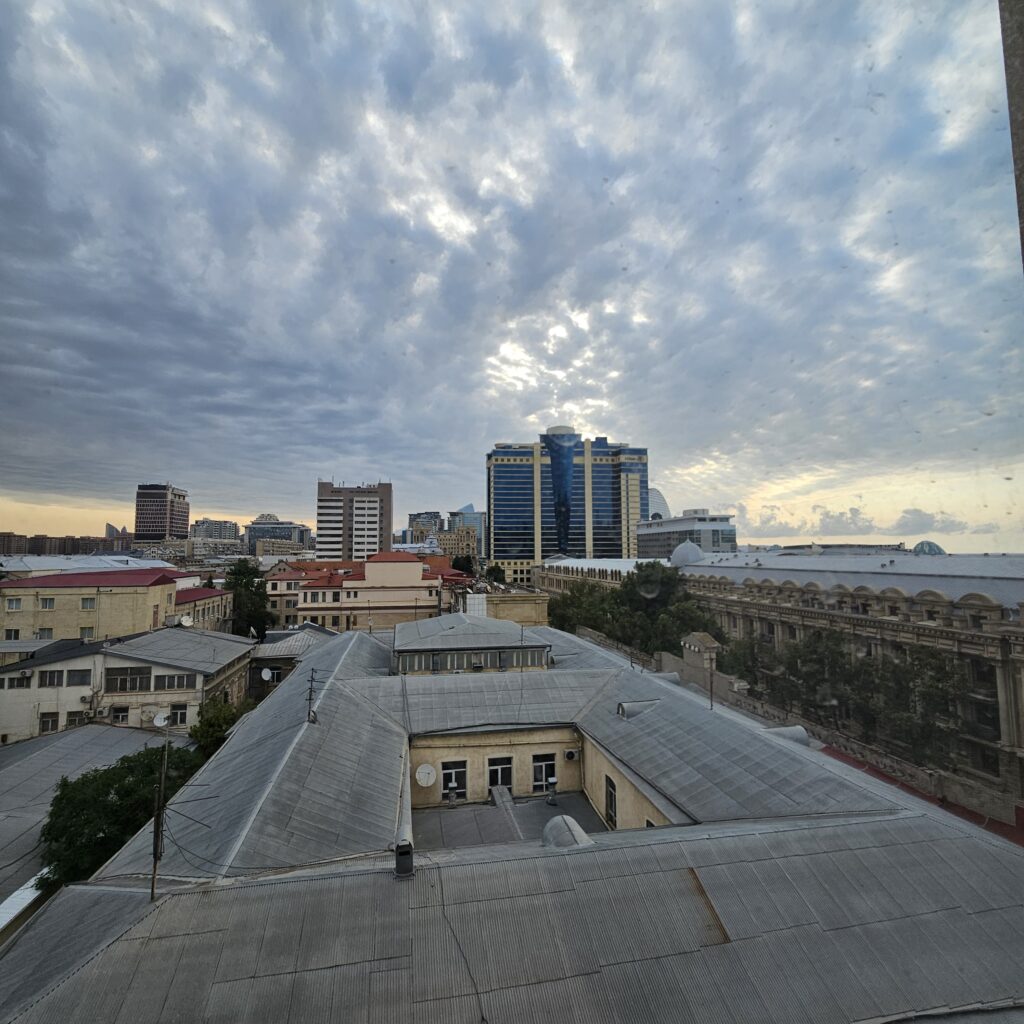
column 245, row 245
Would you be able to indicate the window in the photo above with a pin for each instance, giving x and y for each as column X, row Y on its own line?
column 315, row 597
column 119, row 714
column 14, row 604
column 609, row 801
column 179, row 713
column 51, row 677
column 12, row 634
column 543, row 771
column 453, row 778
column 128, row 680
column 79, row 676
column 273, row 604
column 44, row 634
column 335, row 621
column 88, row 604
column 649, row 824
column 273, row 585
column 179, row 681
column 49, row 721
column 19, row 682
column 47, row 604
column 499, row 772
column 336, row 596
column 75, row 718
column 291, row 604
column 86, row 633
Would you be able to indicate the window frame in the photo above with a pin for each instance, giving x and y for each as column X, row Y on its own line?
column 450, row 771
column 499, row 764
column 541, row 785
column 611, row 803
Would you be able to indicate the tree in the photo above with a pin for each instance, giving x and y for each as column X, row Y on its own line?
column 209, row 582
column 92, row 817
column 495, row 573
column 249, row 593
column 464, row 563
column 215, row 719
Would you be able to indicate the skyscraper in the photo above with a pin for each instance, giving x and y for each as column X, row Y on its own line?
column 161, row 513
column 564, row 494
column 352, row 522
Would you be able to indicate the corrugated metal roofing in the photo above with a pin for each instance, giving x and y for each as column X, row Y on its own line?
column 29, row 773
column 283, row 791
column 459, row 631
column 201, row 650
column 650, row 925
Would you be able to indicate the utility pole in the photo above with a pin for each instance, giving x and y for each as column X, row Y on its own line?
column 158, row 818
column 310, row 693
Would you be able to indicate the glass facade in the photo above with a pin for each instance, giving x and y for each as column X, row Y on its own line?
column 618, row 496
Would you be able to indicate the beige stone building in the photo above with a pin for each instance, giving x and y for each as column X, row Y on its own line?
column 460, row 541
column 126, row 681
column 87, row 606
column 392, row 587
column 966, row 606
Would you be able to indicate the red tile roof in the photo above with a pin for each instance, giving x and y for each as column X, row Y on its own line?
column 116, row 578
column 194, row 594
column 393, row 556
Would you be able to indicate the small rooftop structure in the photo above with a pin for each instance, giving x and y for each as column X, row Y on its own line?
column 466, row 642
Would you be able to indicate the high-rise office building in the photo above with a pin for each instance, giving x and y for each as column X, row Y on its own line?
column 161, row 512
column 432, row 522
column 711, row 533
column 563, row 495
column 267, row 527
column 352, row 522
column 214, row 529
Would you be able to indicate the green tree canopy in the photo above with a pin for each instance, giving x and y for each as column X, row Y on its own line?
column 249, row 592
column 495, row 573
column 464, row 563
column 215, row 719
column 92, row 817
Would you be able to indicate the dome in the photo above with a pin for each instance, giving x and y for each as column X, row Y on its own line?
column 657, row 506
column 686, row 554
column 927, row 547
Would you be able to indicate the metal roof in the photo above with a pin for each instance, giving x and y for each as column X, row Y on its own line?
column 776, row 923
column 200, row 650
column 283, row 791
column 29, row 773
column 292, row 644
column 999, row 576
column 78, row 563
column 461, row 632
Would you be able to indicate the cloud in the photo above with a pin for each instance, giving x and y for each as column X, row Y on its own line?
column 916, row 520
column 249, row 244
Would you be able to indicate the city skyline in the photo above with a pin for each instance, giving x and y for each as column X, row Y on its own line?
column 779, row 252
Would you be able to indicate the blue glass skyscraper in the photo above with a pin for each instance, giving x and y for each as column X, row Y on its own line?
column 564, row 495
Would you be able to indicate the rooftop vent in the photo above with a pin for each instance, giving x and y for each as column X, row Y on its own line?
column 633, row 708
column 565, row 831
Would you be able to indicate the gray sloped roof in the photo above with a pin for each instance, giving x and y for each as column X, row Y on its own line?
column 292, row 643
column 440, row 703
column 29, row 773
column 200, row 650
column 710, row 765
column 461, row 631
column 778, row 922
column 283, row 791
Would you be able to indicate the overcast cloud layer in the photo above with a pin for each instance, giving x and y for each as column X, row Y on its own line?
column 248, row 244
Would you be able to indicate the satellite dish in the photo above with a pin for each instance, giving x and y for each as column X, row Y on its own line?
column 266, row 675
column 187, row 620
column 161, row 720
column 426, row 775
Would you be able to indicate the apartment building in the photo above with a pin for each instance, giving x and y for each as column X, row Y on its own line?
column 126, row 681
column 87, row 605
column 214, row 529
column 352, row 522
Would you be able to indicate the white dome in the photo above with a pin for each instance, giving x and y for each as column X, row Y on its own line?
column 686, row 554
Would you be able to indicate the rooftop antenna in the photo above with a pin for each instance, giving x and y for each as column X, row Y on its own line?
column 161, row 721
column 310, row 712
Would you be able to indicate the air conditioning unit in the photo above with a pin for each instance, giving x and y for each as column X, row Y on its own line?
column 101, row 712
column 25, row 673
column 88, row 714
column 84, row 699
column 571, row 755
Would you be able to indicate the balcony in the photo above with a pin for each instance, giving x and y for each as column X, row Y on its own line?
column 980, row 731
